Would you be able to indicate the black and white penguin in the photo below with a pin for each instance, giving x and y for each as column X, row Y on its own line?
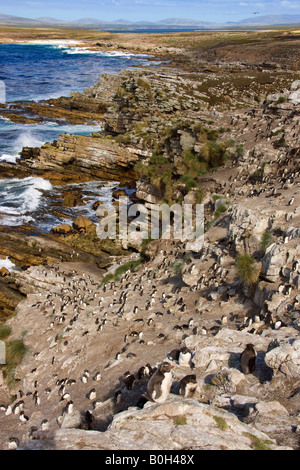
column 188, row 385
column 248, row 359
column 97, row 376
column 91, row 395
column 144, row 371
column 160, row 383
column 69, row 408
column 148, row 370
column 89, row 418
column 13, row 443
column 44, row 425
column 23, row 417
column 185, row 357
column 128, row 380
column 174, row 355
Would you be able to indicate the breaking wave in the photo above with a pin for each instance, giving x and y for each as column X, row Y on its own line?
column 19, row 198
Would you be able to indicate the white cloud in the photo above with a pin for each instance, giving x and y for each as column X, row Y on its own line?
column 289, row 4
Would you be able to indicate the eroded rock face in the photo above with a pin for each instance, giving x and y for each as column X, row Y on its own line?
column 78, row 156
column 246, row 228
column 177, row 424
column 281, row 257
column 285, row 358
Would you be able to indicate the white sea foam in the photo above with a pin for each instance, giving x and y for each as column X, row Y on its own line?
column 30, row 198
column 20, row 198
column 50, row 42
column 85, row 50
column 35, row 135
column 5, row 157
column 6, row 263
column 27, row 139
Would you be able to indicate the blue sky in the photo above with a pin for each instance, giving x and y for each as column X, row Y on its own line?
column 151, row 10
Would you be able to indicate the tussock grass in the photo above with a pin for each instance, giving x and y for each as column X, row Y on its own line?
column 15, row 352
column 247, row 268
column 265, row 241
column 5, row 331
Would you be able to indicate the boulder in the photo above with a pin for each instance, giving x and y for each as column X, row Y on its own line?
column 246, row 228
column 81, row 157
column 119, row 192
column 69, row 200
column 278, row 256
column 227, row 379
column 285, row 358
column 62, row 229
column 82, row 224
column 4, row 272
column 97, row 204
column 72, row 420
column 295, row 85
column 294, row 97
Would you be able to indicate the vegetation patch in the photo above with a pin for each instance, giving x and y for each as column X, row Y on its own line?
column 170, row 173
column 180, row 420
column 5, row 331
column 257, row 443
column 265, row 241
column 15, row 351
column 247, row 268
column 221, row 423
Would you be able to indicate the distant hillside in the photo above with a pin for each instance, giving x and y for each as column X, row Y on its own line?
column 8, row 20
column 270, row 20
column 87, row 22
column 48, row 19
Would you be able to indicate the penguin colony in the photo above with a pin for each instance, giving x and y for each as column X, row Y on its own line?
column 80, row 306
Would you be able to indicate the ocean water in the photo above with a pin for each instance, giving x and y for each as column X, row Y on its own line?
column 14, row 136
column 35, row 201
column 39, row 72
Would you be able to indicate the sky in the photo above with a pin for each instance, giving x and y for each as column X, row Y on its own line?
column 150, row 10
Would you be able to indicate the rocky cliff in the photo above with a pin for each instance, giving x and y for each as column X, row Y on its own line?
column 225, row 135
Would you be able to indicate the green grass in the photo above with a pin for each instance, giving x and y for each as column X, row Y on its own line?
column 130, row 266
column 265, row 241
column 220, row 210
column 178, row 267
column 118, row 273
column 5, row 331
column 107, row 278
column 257, row 443
column 180, row 420
column 15, row 352
column 247, row 269
column 221, row 423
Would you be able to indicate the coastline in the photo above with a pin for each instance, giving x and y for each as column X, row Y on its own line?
column 168, row 298
column 56, row 42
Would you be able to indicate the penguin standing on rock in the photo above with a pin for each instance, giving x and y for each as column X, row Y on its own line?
column 160, row 383
column 185, row 357
column 248, row 359
column 188, row 385
column 128, row 380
